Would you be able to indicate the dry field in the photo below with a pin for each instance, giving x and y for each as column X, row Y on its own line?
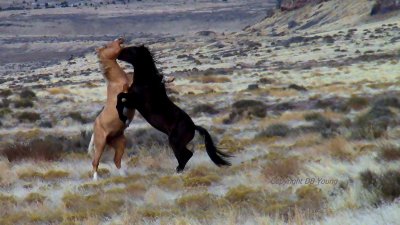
column 311, row 114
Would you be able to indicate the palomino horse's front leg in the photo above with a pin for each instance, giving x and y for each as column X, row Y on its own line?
column 99, row 146
column 118, row 144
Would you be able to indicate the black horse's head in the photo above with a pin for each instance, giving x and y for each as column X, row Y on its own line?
column 142, row 61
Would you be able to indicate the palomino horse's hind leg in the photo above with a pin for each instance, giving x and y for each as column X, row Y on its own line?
column 178, row 141
column 99, row 145
column 119, row 144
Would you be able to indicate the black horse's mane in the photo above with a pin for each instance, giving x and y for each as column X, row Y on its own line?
column 145, row 65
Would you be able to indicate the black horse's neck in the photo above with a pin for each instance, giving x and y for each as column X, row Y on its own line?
column 147, row 75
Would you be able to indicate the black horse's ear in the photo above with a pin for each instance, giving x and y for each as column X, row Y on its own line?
column 127, row 54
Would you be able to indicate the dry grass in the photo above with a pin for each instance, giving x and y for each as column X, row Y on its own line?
column 339, row 148
column 36, row 149
column 282, row 168
column 46, row 176
column 58, row 91
column 200, row 176
column 389, row 152
column 212, row 79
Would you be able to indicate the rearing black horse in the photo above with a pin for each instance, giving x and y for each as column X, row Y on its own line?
column 147, row 94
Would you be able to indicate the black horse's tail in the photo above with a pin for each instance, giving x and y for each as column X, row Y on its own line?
column 216, row 155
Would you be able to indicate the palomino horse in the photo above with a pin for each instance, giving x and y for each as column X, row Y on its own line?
column 108, row 129
column 147, row 94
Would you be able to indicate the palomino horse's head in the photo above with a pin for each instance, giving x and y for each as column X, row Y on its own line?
column 111, row 50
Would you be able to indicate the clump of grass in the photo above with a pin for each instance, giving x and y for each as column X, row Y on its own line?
column 47, row 176
column 310, row 198
column 389, row 152
column 313, row 116
column 58, row 91
column 78, row 117
column 357, row 103
column 246, row 109
column 28, row 117
column 282, row 168
column 372, row 124
column 275, row 130
column 202, row 201
column 200, row 176
column 23, row 103
column 339, row 148
column 204, row 108
column 5, row 93
column 36, row 149
column 172, row 183
column 4, row 112
column 81, row 207
column 7, row 200
column 24, row 94
column 386, row 185
column 136, row 189
column 214, row 79
column 242, row 193
column 35, row 198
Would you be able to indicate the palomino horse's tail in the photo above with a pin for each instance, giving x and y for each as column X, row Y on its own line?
column 216, row 155
column 90, row 150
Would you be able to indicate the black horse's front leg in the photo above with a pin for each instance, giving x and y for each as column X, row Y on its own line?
column 124, row 102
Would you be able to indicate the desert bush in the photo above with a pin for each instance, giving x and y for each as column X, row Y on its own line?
column 35, row 198
column 339, row 148
column 313, row 116
column 310, row 199
column 172, row 183
column 246, row 109
column 386, row 185
column 5, row 93
column 136, row 189
column 282, row 168
column 204, row 108
column 7, row 200
column 5, row 103
column 242, row 193
column 78, row 117
column 275, row 130
column 374, row 123
column 47, row 176
column 146, row 138
column 389, row 152
column 357, row 103
column 23, row 103
column 200, row 176
column 36, row 149
column 4, row 111
column 213, row 79
column 28, row 117
column 81, row 207
column 27, row 94
column 202, row 201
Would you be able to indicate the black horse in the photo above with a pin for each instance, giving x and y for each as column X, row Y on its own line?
column 147, row 94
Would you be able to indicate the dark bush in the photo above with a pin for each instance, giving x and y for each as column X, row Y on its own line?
column 275, row 130
column 78, row 117
column 23, row 103
column 27, row 94
column 389, row 152
column 4, row 111
column 204, row 108
column 28, row 117
column 357, row 103
column 37, row 149
column 146, row 138
column 386, row 185
column 5, row 103
column 5, row 93
column 247, row 109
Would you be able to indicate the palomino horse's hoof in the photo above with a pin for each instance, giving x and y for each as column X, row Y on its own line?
column 95, row 176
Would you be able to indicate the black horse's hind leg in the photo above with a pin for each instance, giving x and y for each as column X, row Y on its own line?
column 178, row 141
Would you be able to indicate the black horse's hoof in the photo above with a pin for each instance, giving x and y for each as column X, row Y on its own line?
column 179, row 169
